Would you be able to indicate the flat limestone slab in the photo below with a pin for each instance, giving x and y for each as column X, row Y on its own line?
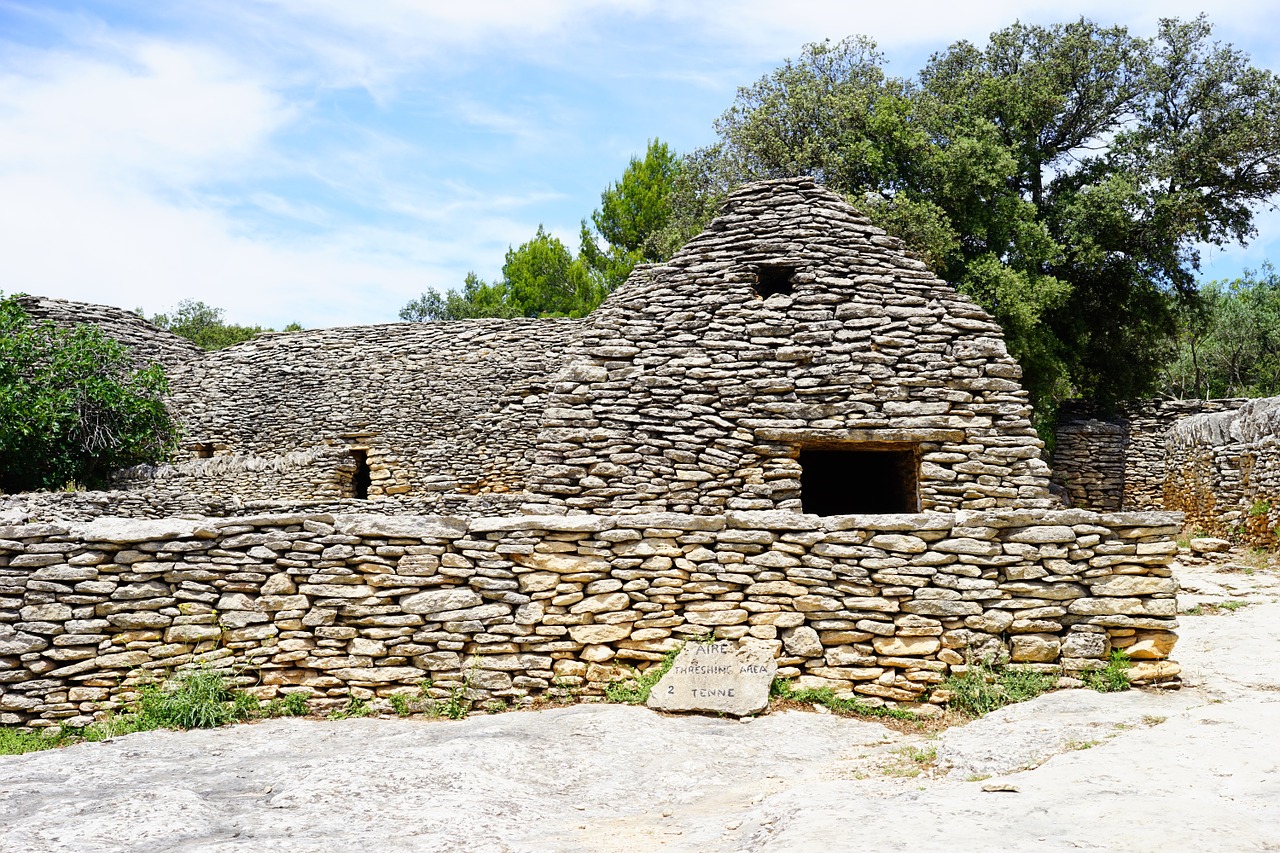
column 723, row 677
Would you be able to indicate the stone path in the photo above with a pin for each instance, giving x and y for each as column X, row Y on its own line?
column 1196, row 769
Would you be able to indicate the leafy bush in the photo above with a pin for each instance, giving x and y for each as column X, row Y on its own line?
column 73, row 407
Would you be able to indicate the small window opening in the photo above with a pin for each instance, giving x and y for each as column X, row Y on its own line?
column 773, row 279
column 856, row 482
column 360, row 479
column 202, row 450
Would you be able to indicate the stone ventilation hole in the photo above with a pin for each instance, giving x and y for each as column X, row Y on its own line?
column 360, row 479
column 773, row 279
column 859, row 481
column 202, row 450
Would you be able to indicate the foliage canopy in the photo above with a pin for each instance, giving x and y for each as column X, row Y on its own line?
column 73, row 407
column 1228, row 342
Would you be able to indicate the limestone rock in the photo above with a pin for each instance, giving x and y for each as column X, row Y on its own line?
column 722, row 677
column 1209, row 545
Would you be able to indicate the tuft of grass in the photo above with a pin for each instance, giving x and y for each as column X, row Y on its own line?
column 984, row 688
column 195, row 699
column 1111, row 679
column 400, row 704
column 635, row 690
column 18, row 741
column 1233, row 606
column 826, row 697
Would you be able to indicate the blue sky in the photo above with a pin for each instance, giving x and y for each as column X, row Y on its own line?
column 326, row 161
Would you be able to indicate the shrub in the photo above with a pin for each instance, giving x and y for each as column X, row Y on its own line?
column 72, row 406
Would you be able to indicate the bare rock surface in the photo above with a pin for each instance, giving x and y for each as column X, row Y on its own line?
column 1197, row 768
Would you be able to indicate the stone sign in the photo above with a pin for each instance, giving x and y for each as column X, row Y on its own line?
column 722, row 677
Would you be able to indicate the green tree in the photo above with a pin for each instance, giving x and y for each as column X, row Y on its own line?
column 543, row 279
column 634, row 213
column 477, row 299
column 1062, row 176
column 73, row 407
column 540, row 278
column 1228, row 342
column 204, row 325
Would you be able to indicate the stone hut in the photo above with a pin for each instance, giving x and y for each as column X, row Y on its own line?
column 1224, row 471
column 791, row 356
column 1116, row 460
column 404, row 412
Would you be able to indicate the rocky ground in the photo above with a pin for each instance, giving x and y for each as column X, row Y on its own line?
column 1192, row 769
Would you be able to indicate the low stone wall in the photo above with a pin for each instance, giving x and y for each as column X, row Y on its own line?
column 1224, row 472
column 1114, row 461
column 153, row 502
column 520, row 607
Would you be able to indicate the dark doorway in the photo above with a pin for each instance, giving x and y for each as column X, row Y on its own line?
column 849, row 482
column 773, row 279
column 360, row 479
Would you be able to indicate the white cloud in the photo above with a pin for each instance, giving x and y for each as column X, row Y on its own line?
column 157, row 111
column 113, row 165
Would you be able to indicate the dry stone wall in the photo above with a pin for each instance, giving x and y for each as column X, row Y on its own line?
column 1117, row 461
column 430, row 408
column 523, row 607
column 147, row 342
column 791, row 323
column 1224, row 471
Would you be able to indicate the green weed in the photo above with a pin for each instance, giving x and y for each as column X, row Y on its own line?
column 195, row 699
column 983, row 688
column 292, row 705
column 354, row 709
column 635, row 690
column 1111, row 679
column 826, row 697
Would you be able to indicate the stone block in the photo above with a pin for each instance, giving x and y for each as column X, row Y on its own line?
column 1034, row 648
column 440, row 600
column 722, row 677
column 595, row 634
column 906, row 646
